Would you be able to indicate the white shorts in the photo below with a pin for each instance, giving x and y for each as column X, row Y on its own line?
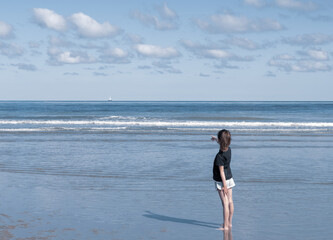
column 230, row 184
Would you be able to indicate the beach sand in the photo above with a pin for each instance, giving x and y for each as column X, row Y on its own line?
column 70, row 181
column 44, row 212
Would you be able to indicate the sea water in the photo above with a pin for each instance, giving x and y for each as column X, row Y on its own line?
column 143, row 170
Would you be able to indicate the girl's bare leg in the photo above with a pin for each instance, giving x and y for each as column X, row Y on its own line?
column 225, row 204
column 231, row 206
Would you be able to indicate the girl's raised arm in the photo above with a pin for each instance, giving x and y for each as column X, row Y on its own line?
column 213, row 138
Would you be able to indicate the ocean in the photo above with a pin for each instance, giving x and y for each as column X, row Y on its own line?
column 143, row 170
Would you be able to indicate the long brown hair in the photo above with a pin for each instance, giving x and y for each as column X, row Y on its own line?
column 224, row 138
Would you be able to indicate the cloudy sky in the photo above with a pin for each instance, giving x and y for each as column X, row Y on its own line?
column 166, row 50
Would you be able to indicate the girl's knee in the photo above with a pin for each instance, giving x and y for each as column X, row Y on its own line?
column 231, row 207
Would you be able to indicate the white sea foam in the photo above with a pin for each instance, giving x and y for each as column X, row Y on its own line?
column 21, row 129
column 171, row 123
column 108, row 128
column 118, row 117
column 60, row 129
column 251, row 129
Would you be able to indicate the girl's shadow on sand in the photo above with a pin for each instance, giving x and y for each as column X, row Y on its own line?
column 149, row 214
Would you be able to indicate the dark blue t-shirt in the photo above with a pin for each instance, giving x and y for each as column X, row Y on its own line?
column 222, row 159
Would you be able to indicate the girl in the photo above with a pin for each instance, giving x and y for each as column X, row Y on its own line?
column 223, row 176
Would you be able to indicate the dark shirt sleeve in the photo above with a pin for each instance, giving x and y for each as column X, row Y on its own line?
column 219, row 160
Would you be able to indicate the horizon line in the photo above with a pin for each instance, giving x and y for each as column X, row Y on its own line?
column 64, row 100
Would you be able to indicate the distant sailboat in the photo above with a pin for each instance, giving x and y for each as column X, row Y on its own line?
column 110, row 99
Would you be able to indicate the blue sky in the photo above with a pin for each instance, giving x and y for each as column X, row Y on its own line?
column 166, row 50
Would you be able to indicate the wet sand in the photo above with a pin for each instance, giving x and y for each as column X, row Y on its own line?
column 44, row 211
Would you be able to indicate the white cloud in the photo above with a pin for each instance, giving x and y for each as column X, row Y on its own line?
column 35, row 44
column 308, row 61
column 6, row 30
column 70, row 57
column 301, row 66
column 321, row 18
column 216, row 53
column 59, row 57
column 202, row 50
column 100, row 74
column 189, row 44
column 11, row 50
column 156, row 51
column 166, row 66
column 48, row 18
column 244, row 43
column 318, row 54
column 255, row 3
column 144, row 67
column 88, row 27
column 204, row 75
column 313, row 66
column 287, row 4
column 105, row 67
column 52, row 51
column 313, row 54
column 212, row 51
column 114, row 55
column 117, row 52
column 309, row 39
column 296, row 5
column 168, row 21
column 228, row 23
column 225, row 64
column 284, row 57
column 26, row 67
column 133, row 38
column 71, row 73
column 270, row 74
column 166, row 12
column 154, row 21
column 59, row 42
column 84, row 24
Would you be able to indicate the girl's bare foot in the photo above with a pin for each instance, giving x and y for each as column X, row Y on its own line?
column 223, row 229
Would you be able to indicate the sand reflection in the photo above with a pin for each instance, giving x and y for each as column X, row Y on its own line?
column 227, row 235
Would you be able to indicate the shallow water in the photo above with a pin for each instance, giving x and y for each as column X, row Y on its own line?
column 142, row 170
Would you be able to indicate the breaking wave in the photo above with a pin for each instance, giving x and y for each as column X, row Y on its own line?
column 170, row 123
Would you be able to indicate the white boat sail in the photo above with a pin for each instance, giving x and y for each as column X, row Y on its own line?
column 110, row 99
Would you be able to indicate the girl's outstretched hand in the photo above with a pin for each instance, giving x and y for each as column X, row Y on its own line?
column 213, row 138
